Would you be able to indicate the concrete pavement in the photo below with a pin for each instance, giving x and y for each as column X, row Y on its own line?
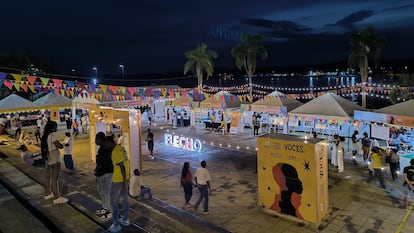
column 355, row 205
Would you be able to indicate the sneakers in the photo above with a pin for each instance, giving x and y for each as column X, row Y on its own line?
column 206, row 212
column 124, row 222
column 50, row 196
column 105, row 215
column 60, row 200
column 101, row 211
column 114, row 228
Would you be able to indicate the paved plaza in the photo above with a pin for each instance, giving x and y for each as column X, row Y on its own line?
column 355, row 206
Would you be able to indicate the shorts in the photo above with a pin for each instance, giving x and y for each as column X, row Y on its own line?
column 53, row 157
column 408, row 191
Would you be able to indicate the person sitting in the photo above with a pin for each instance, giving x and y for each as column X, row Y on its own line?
column 29, row 158
column 222, row 127
column 137, row 187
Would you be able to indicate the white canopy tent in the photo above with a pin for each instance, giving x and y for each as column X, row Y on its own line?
column 328, row 111
column 15, row 103
column 52, row 100
column 402, row 109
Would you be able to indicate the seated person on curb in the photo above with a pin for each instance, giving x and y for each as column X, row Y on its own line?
column 137, row 187
column 29, row 157
column 222, row 126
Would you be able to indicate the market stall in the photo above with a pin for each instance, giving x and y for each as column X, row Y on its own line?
column 327, row 114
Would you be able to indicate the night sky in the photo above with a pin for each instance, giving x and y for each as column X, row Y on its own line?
column 152, row 36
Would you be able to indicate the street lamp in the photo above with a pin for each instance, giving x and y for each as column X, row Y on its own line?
column 122, row 70
column 96, row 71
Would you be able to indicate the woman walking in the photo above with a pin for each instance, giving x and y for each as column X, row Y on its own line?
column 187, row 184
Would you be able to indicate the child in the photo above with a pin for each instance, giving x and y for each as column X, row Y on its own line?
column 137, row 187
column 67, row 152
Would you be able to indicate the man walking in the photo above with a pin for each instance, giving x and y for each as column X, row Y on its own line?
column 202, row 180
column 150, row 142
column 408, row 181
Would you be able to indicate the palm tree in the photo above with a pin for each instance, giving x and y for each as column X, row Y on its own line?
column 366, row 45
column 200, row 60
column 245, row 54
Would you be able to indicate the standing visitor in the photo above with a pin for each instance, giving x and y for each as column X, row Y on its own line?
column 256, row 125
column 187, row 184
column 377, row 165
column 83, row 123
column 355, row 145
column 341, row 153
column 149, row 116
column 103, row 172
column 37, row 134
column 119, row 187
column 75, row 128
column 150, row 142
column 408, row 182
column 366, row 145
column 67, row 151
column 202, row 180
column 334, row 150
column 394, row 161
column 18, row 128
column 49, row 141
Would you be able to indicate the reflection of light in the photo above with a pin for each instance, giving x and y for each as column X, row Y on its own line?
column 256, row 148
column 204, row 142
column 228, row 145
column 155, row 125
column 398, row 172
column 161, row 127
column 382, row 168
column 212, row 143
column 220, row 144
column 168, row 130
column 247, row 147
column 238, row 147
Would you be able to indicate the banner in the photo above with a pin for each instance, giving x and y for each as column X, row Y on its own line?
column 234, row 125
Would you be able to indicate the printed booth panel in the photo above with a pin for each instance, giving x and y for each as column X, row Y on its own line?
column 292, row 176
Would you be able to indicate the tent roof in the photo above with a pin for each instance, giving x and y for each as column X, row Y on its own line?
column 222, row 93
column 16, row 103
column 52, row 99
column 402, row 109
column 328, row 105
column 281, row 100
column 85, row 98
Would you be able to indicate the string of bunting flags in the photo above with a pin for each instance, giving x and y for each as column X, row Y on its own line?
column 104, row 92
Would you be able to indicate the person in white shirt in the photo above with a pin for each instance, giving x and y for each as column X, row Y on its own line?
column 67, row 151
column 137, row 187
column 202, row 180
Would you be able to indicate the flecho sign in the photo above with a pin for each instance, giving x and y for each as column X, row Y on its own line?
column 185, row 143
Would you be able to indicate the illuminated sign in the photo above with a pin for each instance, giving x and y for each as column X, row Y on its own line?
column 182, row 142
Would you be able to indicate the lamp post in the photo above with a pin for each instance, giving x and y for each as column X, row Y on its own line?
column 96, row 71
column 122, row 70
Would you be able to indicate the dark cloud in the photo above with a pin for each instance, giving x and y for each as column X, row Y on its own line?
column 152, row 36
column 350, row 20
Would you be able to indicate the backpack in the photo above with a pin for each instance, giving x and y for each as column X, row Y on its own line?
column 44, row 148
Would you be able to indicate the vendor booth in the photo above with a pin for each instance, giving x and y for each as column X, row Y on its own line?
column 327, row 114
column 293, row 177
column 178, row 112
column 272, row 110
column 220, row 105
column 16, row 107
column 56, row 104
column 128, row 123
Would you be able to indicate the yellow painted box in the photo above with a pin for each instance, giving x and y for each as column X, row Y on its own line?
column 293, row 176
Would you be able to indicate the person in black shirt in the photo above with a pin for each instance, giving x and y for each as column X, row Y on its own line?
column 103, row 172
column 150, row 141
column 408, row 181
